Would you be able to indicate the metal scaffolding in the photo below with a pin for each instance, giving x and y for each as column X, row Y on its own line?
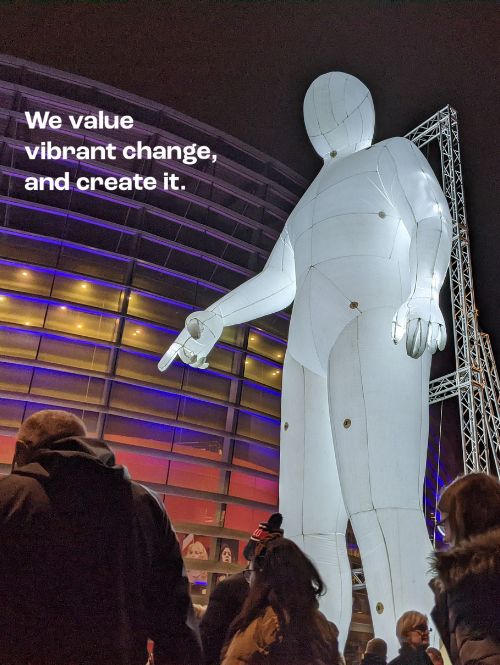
column 475, row 381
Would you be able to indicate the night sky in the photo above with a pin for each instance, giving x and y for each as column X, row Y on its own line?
column 244, row 67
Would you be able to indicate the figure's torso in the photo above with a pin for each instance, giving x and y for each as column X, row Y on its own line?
column 351, row 235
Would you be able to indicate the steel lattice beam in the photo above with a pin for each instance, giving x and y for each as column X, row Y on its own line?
column 475, row 381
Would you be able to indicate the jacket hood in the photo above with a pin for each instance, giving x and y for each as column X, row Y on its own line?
column 479, row 555
column 54, row 457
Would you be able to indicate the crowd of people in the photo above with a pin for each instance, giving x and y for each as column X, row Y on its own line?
column 91, row 569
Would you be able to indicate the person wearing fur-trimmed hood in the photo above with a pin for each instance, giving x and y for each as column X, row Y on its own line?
column 467, row 582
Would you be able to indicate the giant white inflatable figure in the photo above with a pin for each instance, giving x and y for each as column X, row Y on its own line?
column 363, row 255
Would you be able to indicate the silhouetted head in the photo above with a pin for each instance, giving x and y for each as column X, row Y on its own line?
column 44, row 427
column 470, row 505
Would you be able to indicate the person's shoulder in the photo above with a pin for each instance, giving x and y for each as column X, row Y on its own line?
column 14, row 485
column 143, row 495
column 328, row 627
column 396, row 661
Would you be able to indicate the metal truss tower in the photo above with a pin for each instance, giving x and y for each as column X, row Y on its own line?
column 475, row 381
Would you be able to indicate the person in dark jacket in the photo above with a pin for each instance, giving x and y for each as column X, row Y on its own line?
column 227, row 599
column 375, row 652
column 467, row 585
column 412, row 630
column 90, row 567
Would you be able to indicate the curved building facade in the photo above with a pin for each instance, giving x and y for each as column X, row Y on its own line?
column 94, row 286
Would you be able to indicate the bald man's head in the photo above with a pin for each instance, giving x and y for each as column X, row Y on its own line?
column 43, row 427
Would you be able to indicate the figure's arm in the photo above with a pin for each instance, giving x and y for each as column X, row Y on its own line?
column 271, row 290
column 419, row 316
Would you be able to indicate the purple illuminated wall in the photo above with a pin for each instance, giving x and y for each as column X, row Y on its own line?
column 94, row 286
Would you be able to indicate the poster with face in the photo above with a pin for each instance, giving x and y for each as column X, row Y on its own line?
column 228, row 552
column 195, row 547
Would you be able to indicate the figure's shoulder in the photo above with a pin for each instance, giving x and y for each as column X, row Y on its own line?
column 397, row 144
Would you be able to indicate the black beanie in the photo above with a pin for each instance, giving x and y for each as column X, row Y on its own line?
column 264, row 531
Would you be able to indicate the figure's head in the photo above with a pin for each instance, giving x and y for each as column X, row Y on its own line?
column 412, row 628
column 468, row 506
column 338, row 115
column 44, row 427
column 435, row 656
column 226, row 555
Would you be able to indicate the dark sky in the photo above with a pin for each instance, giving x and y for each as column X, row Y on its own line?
column 244, row 67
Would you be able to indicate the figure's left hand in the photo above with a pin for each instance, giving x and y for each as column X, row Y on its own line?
column 422, row 321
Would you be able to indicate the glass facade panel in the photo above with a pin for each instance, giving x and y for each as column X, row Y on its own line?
column 254, row 488
column 222, row 359
column 145, row 466
column 266, row 346
column 194, row 511
column 73, row 354
column 15, row 246
column 149, row 338
column 23, row 311
column 87, row 293
column 198, row 444
column 143, row 368
column 202, row 413
column 25, row 279
column 261, row 399
column 153, row 309
column 92, row 264
column 18, row 344
column 243, row 518
column 204, row 382
column 7, row 449
column 67, row 386
column 196, row 477
column 135, row 432
column 258, row 427
column 143, row 400
column 11, row 413
column 264, row 372
column 77, row 322
column 254, row 456
column 15, row 378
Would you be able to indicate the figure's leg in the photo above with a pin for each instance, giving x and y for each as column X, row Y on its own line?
column 379, row 413
column 310, row 498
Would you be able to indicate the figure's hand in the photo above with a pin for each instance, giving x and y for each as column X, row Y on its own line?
column 195, row 342
column 421, row 319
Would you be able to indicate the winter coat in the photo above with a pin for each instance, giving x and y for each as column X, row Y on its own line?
column 225, row 603
column 263, row 643
column 467, row 593
column 373, row 659
column 90, row 567
column 410, row 656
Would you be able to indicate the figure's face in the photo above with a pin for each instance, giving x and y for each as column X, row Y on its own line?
column 419, row 636
column 226, row 555
column 338, row 115
column 196, row 550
